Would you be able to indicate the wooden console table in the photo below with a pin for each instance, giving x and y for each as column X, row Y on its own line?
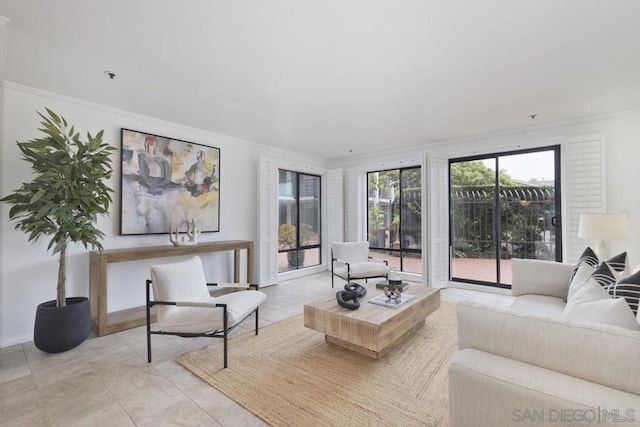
column 104, row 323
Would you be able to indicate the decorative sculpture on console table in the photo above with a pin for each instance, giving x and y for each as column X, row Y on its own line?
column 189, row 240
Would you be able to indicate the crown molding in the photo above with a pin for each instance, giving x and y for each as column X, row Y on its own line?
column 154, row 122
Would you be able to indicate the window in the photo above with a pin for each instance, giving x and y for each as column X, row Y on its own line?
column 299, row 220
column 503, row 206
column 394, row 217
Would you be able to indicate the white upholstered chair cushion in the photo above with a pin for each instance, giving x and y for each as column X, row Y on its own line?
column 351, row 252
column 240, row 304
column 362, row 270
column 178, row 281
column 356, row 254
column 184, row 282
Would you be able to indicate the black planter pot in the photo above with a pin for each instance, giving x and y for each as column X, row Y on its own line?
column 59, row 329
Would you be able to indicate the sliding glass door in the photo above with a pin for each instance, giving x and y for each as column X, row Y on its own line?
column 503, row 206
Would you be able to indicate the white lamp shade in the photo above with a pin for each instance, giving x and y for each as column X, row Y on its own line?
column 603, row 227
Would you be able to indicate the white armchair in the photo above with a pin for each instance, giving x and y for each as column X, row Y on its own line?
column 351, row 260
column 185, row 307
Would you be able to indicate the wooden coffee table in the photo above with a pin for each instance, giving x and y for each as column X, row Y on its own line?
column 372, row 329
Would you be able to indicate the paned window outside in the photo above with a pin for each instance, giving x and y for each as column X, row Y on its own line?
column 394, row 217
column 299, row 220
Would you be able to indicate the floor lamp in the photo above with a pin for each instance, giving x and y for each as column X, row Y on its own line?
column 603, row 227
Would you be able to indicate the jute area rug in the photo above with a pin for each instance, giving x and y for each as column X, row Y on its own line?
column 289, row 376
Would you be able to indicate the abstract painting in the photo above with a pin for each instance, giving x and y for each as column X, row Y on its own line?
column 167, row 183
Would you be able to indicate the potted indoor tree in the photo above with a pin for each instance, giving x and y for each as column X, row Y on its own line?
column 67, row 193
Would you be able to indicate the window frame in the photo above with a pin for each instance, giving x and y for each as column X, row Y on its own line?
column 298, row 246
column 557, row 149
column 401, row 250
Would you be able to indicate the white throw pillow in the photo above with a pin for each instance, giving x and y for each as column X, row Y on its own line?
column 592, row 304
column 589, row 291
column 581, row 276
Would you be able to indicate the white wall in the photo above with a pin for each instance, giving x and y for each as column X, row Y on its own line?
column 29, row 272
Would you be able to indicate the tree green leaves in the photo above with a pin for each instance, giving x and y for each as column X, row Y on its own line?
column 475, row 173
column 68, row 189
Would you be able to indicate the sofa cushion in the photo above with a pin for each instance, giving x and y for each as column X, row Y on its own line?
column 606, row 355
column 541, row 305
column 532, row 276
column 489, row 390
column 592, row 304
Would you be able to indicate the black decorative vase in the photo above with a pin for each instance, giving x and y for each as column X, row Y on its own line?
column 59, row 329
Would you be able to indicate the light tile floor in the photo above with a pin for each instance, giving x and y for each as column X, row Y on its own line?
column 106, row 381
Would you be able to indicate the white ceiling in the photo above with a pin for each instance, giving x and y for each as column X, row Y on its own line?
column 334, row 78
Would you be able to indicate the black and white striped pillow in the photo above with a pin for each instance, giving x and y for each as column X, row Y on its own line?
column 589, row 257
column 618, row 262
column 629, row 289
column 605, row 275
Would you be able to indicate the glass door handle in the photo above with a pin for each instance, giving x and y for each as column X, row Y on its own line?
column 555, row 220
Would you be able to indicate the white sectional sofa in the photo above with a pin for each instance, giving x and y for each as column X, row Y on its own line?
column 527, row 365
